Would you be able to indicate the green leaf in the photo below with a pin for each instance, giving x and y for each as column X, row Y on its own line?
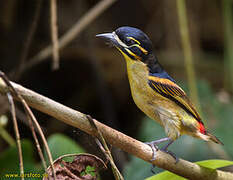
column 212, row 164
column 60, row 144
column 166, row 175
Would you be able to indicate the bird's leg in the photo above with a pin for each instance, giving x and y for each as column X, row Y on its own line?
column 154, row 147
column 164, row 149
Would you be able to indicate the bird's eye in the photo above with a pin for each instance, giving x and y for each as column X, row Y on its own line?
column 129, row 42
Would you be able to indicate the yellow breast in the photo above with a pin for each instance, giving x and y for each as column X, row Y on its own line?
column 157, row 107
column 142, row 93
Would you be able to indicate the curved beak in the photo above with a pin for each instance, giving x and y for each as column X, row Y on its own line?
column 109, row 37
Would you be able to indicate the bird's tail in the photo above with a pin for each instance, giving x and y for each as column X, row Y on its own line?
column 208, row 137
column 213, row 138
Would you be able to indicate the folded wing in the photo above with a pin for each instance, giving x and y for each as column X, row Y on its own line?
column 172, row 91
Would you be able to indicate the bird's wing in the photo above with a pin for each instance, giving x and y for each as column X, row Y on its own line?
column 172, row 91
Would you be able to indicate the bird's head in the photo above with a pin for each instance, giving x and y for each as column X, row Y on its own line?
column 132, row 42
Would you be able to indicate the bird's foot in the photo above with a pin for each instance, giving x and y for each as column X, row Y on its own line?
column 154, row 147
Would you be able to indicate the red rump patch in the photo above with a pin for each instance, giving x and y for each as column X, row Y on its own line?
column 202, row 128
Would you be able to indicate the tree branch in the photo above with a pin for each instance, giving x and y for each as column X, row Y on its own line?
column 114, row 137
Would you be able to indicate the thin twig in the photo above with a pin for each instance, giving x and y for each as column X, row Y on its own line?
column 17, row 135
column 104, row 147
column 141, row 150
column 73, row 32
column 108, row 155
column 54, row 34
column 29, row 112
column 37, row 143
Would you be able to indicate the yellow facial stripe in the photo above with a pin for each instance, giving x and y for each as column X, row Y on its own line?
column 142, row 49
column 132, row 54
column 126, row 56
column 134, row 40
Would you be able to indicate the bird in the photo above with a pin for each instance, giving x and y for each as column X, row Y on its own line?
column 155, row 92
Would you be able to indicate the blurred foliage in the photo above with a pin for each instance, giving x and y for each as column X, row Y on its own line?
column 59, row 145
column 9, row 161
column 228, row 38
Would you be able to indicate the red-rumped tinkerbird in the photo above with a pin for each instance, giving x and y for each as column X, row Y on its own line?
column 154, row 91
